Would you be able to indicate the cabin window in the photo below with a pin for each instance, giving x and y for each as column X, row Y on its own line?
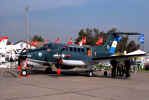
column 70, row 49
column 82, row 49
column 75, row 49
column 79, row 50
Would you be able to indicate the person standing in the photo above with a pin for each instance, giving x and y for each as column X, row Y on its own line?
column 114, row 67
column 127, row 65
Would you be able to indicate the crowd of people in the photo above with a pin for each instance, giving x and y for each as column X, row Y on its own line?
column 119, row 69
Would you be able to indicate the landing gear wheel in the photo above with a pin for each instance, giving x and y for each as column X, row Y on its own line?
column 48, row 70
column 90, row 74
column 24, row 73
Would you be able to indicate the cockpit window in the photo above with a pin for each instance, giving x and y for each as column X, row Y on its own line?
column 43, row 48
column 66, row 49
column 88, row 49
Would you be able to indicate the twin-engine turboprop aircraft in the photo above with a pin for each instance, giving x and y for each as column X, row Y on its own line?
column 65, row 56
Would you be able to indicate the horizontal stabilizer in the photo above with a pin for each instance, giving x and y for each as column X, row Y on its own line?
column 122, row 33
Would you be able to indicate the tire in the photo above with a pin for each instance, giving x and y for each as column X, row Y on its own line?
column 90, row 74
column 24, row 72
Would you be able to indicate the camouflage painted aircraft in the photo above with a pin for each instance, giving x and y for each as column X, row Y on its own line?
column 65, row 56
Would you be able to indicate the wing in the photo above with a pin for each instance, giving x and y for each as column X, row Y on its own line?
column 120, row 57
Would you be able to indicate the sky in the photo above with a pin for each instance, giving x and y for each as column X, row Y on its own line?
column 64, row 18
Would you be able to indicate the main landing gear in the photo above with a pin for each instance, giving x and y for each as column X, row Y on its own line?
column 48, row 70
column 25, row 73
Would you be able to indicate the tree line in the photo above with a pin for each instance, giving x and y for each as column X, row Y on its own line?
column 92, row 35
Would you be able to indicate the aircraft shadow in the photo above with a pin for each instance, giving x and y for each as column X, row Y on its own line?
column 72, row 74
column 110, row 77
column 66, row 73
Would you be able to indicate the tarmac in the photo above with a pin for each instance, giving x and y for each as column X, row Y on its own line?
column 39, row 86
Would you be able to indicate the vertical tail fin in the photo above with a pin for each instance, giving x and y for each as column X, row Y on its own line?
column 109, row 47
column 113, row 47
column 109, row 41
column 112, row 42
